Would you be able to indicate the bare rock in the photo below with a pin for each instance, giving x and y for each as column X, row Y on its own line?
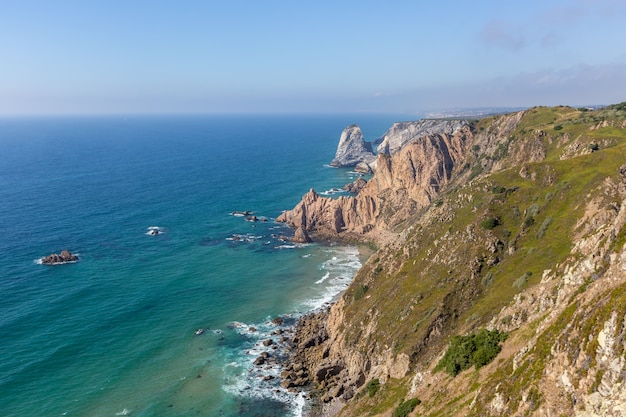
column 352, row 149
column 55, row 259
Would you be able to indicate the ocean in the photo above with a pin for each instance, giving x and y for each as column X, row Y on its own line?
column 115, row 333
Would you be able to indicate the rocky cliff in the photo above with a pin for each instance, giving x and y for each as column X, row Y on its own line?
column 514, row 223
column 402, row 133
column 401, row 185
column 353, row 149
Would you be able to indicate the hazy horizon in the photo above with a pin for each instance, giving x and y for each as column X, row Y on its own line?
column 70, row 58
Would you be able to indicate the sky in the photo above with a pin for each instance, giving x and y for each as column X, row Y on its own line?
column 279, row 56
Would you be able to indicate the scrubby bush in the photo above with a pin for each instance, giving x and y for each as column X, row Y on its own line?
column 372, row 387
column 476, row 349
column 521, row 281
column 489, row 223
column 360, row 292
column 544, row 226
column 405, row 407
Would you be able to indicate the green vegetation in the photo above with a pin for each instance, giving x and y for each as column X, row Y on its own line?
column 521, row 281
column 498, row 235
column 372, row 387
column 475, row 349
column 360, row 292
column 489, row 223
column 406, row 407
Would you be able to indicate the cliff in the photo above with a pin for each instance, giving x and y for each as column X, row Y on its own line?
column 515, row 223
column 402, row 133
column 401, row 185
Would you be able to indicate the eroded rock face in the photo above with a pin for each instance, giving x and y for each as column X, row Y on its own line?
column 301, row 236
column 402, row 183
column 404, row 132
column 353, row 149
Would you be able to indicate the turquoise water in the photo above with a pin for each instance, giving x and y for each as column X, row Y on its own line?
column 114, row 334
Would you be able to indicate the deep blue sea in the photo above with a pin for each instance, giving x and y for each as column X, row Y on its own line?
column 114, row 334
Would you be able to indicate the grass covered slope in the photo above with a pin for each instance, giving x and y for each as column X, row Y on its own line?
column 528, row 239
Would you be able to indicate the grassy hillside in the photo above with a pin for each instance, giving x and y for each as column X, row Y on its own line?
column 501, row 228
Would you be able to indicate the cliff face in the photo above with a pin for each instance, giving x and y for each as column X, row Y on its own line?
column 404, row 132
column 402, row 184
column 515, row 223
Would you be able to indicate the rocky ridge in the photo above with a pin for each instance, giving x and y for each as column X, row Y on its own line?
column 503, row 224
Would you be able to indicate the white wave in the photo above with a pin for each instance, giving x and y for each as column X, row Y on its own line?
column 244, row 378
column 124, row 412
column 339, row 271
column 246, row 238
column 324, row 278
column 286, row 247
column 154, row 230
column 333, row 191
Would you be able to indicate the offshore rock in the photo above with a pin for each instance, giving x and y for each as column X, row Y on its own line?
column 55, row 259
column 352, row 149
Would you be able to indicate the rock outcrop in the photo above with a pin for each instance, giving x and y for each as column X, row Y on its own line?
column 353, row 149
column 402, row 184
column 402, row 133
column 56, row 259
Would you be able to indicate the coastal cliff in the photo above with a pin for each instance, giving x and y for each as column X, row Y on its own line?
column 401, row 185
column 513, row 223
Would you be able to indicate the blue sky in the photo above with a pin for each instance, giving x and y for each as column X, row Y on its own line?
column 65, row 57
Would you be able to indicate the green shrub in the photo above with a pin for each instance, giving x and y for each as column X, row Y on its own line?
column 489, row 223
column 405, row 407
column 558, row 127
column 544, row 226
column 372, row 387
column 475, row 349
column 360, row 292
column 521, row 281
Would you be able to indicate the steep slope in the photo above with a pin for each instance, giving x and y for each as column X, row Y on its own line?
column 525, row 233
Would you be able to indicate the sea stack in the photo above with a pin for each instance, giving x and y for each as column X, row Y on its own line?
column 353, row 149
